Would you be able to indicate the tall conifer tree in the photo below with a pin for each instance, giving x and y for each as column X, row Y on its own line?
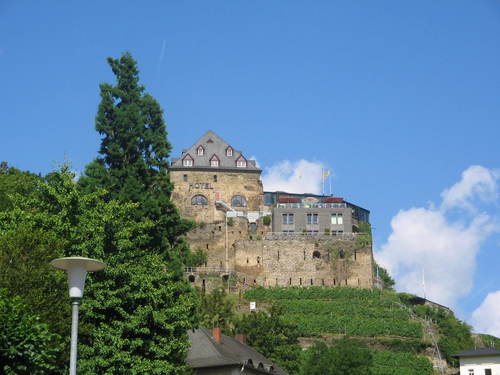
column 133, row 165
column 138, row 310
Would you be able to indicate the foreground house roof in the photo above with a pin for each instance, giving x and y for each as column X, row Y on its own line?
column 478, row 353
column 206, row 352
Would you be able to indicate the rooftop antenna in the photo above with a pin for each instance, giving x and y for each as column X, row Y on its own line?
column 423, row 281
column 330, row 180
column 322, row 181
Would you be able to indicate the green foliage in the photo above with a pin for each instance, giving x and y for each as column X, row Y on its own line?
column 455, row 335
column 407, row 345
column 26, row 346
column 365, row 237
column 134, row 165
column 135, row 314
column 390, row 363
column 384, row 276
column 490, row 341
column 197, row 258
column 140, row 307
column 316, row 360
column 352, row 311
column 216, row 310
column 137, row 317
column 266, row 220
column 14, row 182
column 25, row 253
column 316, row 292
column 346, row 357
column 230, row 222
column 271, row 335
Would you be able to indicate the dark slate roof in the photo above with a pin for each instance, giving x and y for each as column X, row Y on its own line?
column 478, row 353
column 206, row 352
column 213, row 145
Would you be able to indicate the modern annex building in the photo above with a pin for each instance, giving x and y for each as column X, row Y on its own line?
column 254, row 237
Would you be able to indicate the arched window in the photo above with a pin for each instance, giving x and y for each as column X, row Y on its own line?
column 199, row 200
column 238, row 201
column 200, row 151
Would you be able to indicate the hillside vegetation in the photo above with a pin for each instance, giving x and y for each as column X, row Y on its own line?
column 385, row 320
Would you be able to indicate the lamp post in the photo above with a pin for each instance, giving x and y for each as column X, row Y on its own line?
column 77, row 268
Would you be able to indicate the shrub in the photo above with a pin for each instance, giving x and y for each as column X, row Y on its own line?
column 266, row 220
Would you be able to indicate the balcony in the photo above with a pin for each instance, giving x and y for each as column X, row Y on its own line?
column 313, row 205
column 308, row 235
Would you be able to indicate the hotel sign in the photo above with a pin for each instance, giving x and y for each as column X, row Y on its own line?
column 201, row 185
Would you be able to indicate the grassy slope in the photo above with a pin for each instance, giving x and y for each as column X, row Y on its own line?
column 371, row 315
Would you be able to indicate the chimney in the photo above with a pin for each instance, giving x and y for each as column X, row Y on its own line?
column 216, row 335
column 241, row 338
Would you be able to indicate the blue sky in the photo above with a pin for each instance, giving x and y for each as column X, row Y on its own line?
column 398, row 99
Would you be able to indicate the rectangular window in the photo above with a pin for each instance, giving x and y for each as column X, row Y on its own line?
column 312, row 219
column 287, row 219
column 337, row 219
column 215, row 178
column 214, row 163
column 487, row 371
column 185, row 177
column 187, row 162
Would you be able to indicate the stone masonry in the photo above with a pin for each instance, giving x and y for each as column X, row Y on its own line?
column 222, row 192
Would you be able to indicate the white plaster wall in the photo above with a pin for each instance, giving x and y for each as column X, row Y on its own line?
column 479, row 364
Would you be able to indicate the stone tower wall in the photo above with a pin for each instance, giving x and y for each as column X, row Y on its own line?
column 217, row 183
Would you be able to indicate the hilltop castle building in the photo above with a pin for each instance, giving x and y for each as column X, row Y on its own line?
column 253, row 237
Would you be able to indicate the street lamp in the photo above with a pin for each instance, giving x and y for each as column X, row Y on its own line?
column 77, row 268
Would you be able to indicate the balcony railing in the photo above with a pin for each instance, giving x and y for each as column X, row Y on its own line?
column 220, row 270
column 307, row 235
column 313, row 205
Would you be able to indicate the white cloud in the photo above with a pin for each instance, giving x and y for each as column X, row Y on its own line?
column 486, row 318
column 301, row 176
column 477, row 182
column 427, row 239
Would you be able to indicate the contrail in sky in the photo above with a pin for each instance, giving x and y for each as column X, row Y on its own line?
column 162, row 54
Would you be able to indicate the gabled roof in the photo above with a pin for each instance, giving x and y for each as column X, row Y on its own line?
column 213, row 144
column 206, row 352
column 478, row 353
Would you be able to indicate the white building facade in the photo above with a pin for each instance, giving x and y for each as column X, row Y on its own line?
column 479, row 362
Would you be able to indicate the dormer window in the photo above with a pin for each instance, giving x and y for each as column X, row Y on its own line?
column 214, row 161
column 200, row 151
column 187, row 161
column 241, row 162
column 229, row 151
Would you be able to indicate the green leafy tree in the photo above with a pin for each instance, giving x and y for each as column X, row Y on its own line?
column 26, row 345
column 388, row 281
column 271, row 335
column 316, row 360
column 196, row 258
column 216, row 310
column 25, row 253
column 14, row 182
column 345, row 357
column 141, row 306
